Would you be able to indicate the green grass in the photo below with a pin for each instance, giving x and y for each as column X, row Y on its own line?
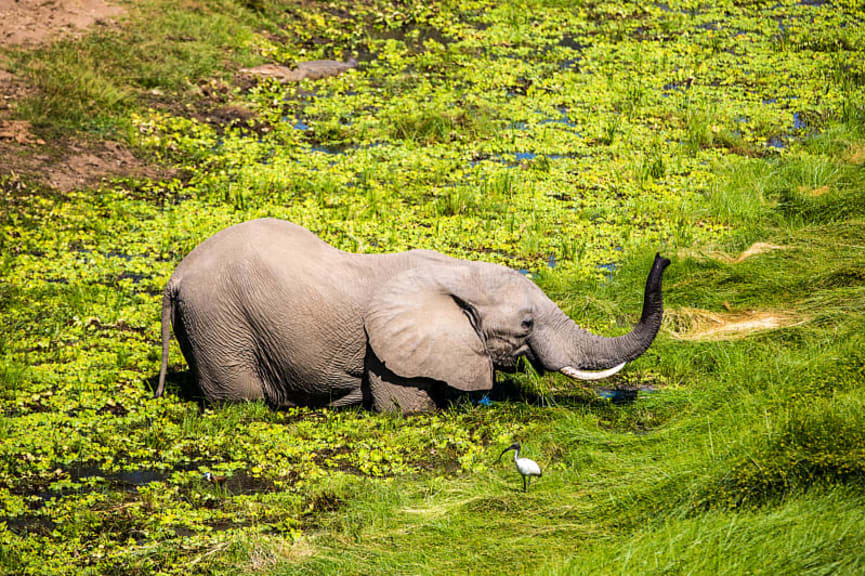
column 571, row 143
column 816, row 534
column 92, row 84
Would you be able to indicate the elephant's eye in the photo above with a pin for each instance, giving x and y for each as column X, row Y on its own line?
column 528, row 323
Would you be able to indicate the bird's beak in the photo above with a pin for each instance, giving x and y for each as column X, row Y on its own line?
column 503, row 453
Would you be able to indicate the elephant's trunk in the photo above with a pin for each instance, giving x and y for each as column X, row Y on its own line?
column 578, row 353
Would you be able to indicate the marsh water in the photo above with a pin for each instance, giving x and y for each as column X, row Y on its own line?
column 569, row 142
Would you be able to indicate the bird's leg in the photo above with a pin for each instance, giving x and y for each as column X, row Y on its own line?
column 525, row 486
column 529, row 479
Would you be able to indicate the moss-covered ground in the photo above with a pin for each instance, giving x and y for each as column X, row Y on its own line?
column 571, row 140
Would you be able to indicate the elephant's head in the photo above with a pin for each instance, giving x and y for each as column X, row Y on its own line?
column 456, row 322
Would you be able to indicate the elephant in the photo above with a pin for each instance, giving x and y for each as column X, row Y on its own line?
column 265, row 310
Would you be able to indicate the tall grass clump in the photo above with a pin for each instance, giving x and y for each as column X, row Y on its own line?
column 74, row 88
column 815, row 443
column 431, row 124
column 800, row 189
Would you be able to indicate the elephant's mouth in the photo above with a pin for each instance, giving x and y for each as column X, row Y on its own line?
column 590, row 374
column 526, row 352
column 569, row 371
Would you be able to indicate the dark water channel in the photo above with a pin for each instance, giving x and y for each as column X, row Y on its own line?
column 625, row 395
column 91, row 478
column 237, row 482
column 38, row 521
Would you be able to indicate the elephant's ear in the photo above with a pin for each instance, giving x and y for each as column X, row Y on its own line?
column 417, row 329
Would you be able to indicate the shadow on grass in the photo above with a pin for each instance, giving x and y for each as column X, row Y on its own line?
column 182, row 384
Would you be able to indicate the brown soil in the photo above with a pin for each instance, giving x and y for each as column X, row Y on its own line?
column 696, row 324
column 18, row 131
column 86, row 165
column 33, row 22
column 64, row 164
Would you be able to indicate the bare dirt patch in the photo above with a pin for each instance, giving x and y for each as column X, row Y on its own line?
column 697, row 324
column 18, row 131
column 85, row 166
column 70, row 165
column 40, row 21
column 67, row 163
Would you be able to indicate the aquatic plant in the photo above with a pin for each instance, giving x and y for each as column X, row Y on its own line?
column 569, row 141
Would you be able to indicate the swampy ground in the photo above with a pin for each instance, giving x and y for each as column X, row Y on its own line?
column 570, row 140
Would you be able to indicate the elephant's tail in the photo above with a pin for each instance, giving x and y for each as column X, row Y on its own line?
column 167, row 314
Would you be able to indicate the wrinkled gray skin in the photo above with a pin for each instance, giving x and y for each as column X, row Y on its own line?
column 266, row 310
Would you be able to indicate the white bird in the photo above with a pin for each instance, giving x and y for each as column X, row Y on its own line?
column 526, row 467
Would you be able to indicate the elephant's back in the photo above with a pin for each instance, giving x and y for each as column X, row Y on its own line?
column 266, row 238
column 268, row 269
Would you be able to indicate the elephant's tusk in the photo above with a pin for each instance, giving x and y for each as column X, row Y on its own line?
column 591, row 374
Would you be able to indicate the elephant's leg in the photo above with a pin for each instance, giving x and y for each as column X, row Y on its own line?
column 221, row 359
column 230, row 382
column 350, row 399
column 244, row 382
column 390, row 393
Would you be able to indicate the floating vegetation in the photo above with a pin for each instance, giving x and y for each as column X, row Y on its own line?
column 570, row 143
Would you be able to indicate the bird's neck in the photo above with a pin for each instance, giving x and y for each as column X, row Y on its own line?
column 516, row 454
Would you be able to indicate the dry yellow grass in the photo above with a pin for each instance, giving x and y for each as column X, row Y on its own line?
column 756, row 248
column 270, row 552
column 697, row 324
column 814, row 191
column 753, row 250
column 855, row 155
